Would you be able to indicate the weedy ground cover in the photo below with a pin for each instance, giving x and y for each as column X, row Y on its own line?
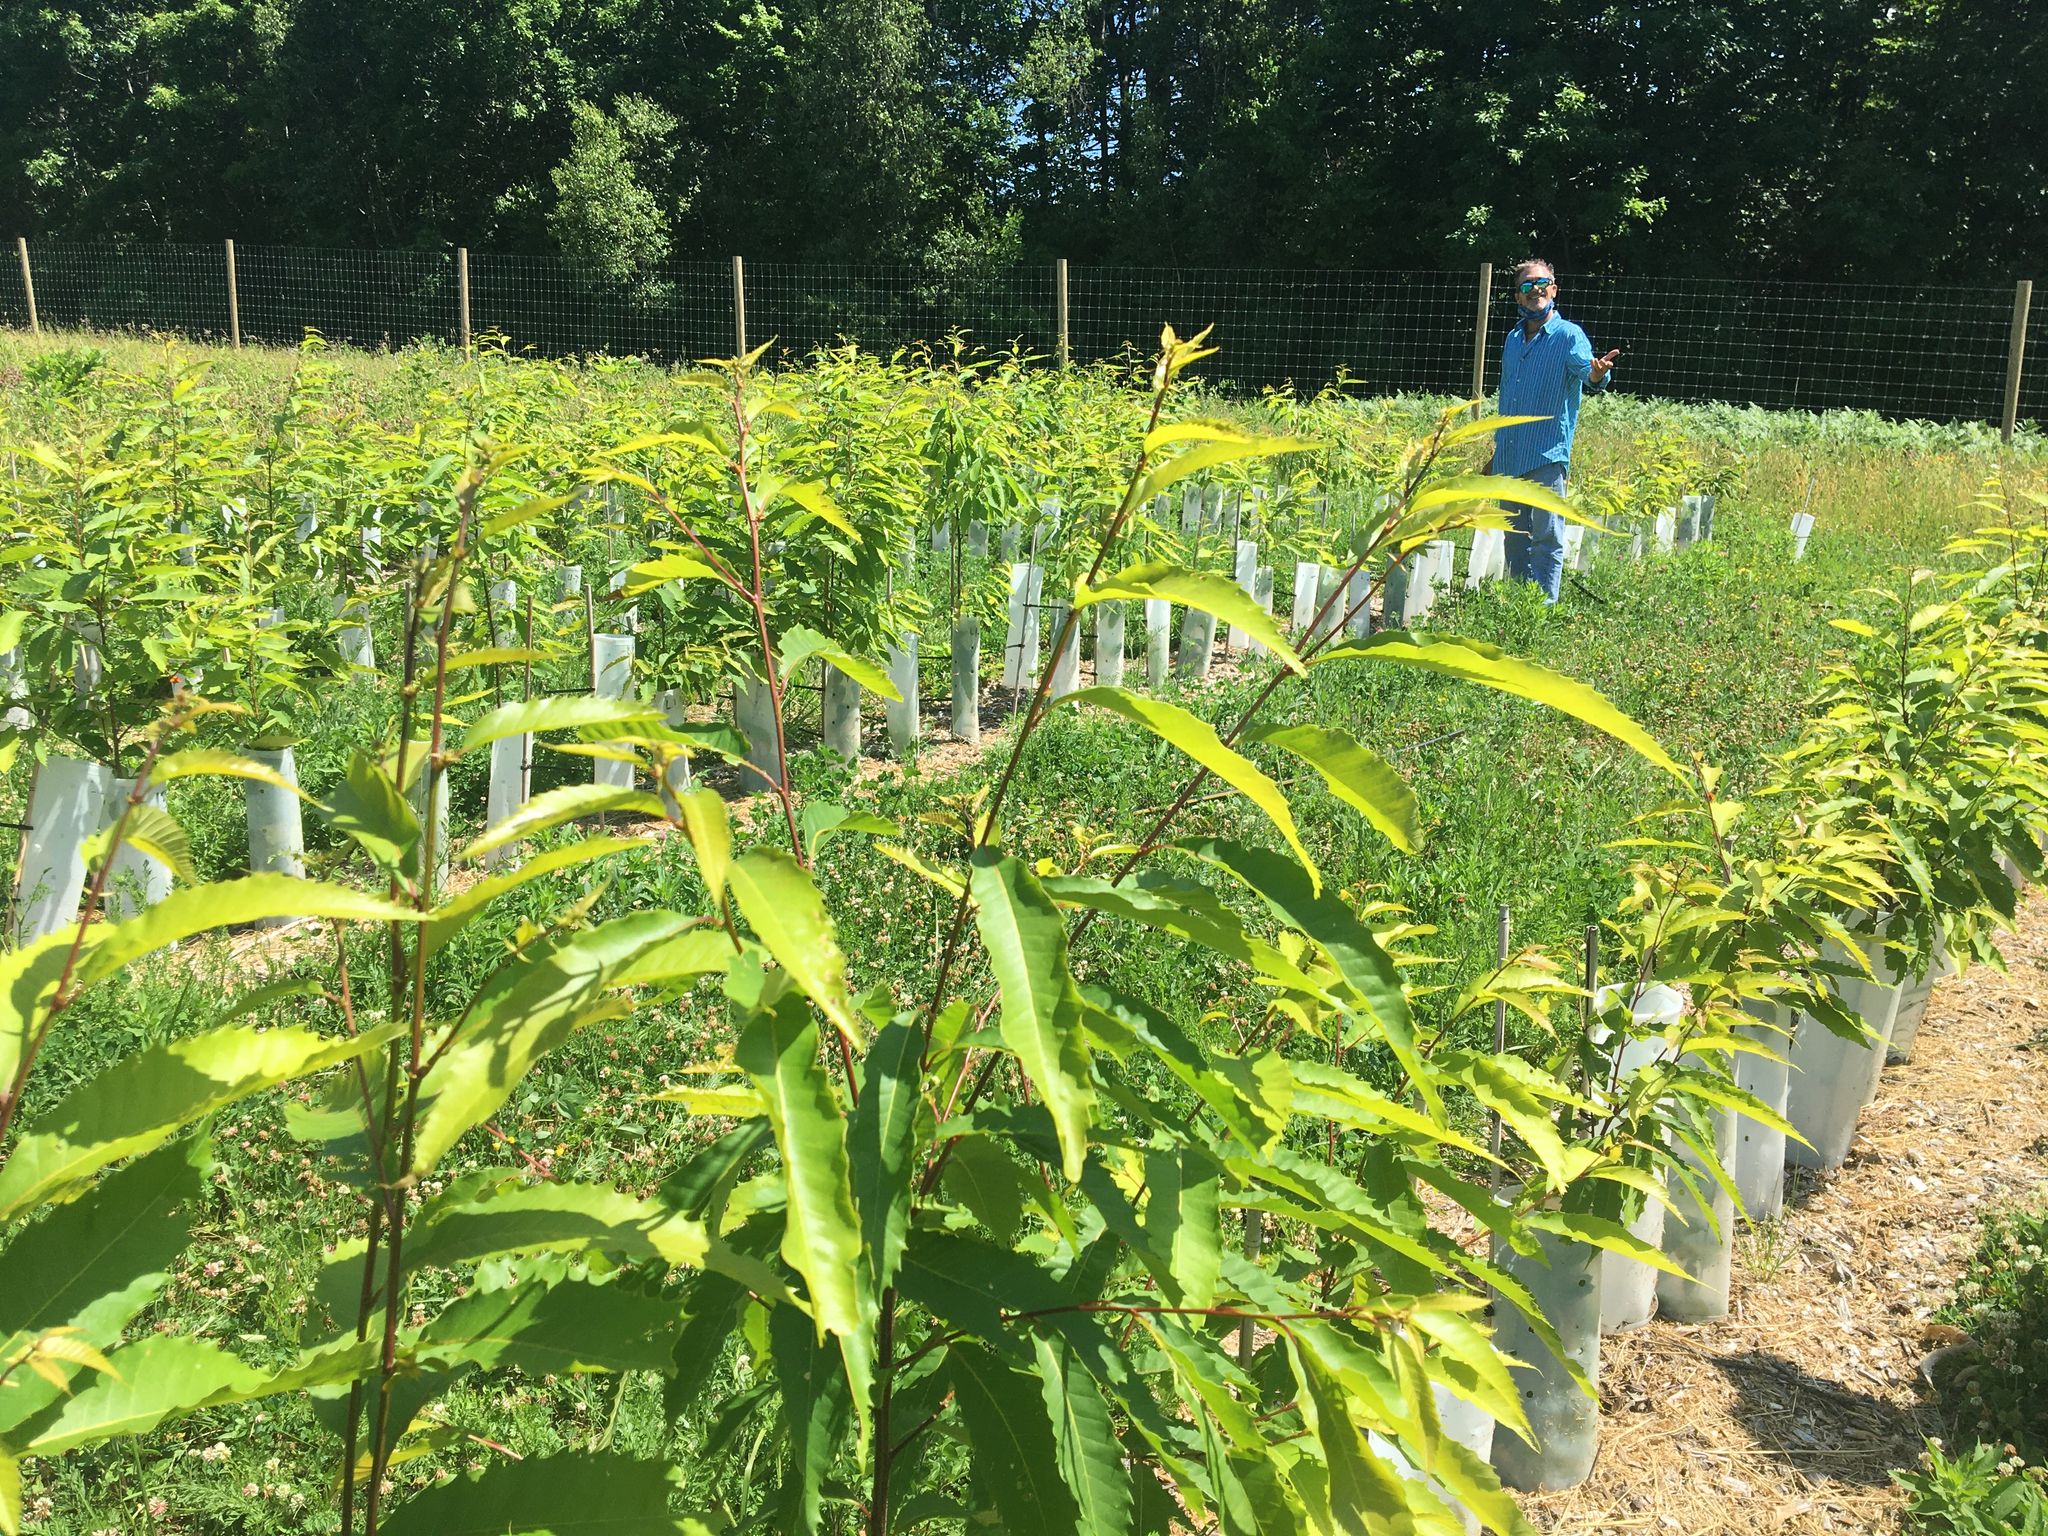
column 1712, row 650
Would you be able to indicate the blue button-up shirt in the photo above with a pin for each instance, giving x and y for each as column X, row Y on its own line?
column 1545, row 377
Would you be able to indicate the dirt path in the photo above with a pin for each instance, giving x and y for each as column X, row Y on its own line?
column 1785, row 1418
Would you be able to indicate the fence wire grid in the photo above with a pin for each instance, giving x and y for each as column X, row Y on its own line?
column 1938, row 353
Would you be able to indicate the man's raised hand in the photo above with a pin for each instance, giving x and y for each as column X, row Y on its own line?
column 1602, row 366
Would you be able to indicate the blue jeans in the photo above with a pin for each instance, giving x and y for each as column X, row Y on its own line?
column 1535, row 546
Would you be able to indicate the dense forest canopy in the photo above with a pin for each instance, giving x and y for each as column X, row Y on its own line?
column 1799, row 138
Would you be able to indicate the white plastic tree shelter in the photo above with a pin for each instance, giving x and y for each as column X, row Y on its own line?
column 277, row 842
column 966, row 686
column 1358, row 604
column 1197, row 643
column 1262, row 593
column 1699, row 1235
column 900, row 715
column 135, row 880
column 611, row 673
column 1245, row 572
column 1109, row 643
column 1758, row 1163
column 64, row 809
column 1564, row 1279
column 1832, row 1078
column 1158, row 640
column 753, row 713
column 1066, row 665
column 1628, row 1295
column 1020, row 640
column 1488, row 557
column 839, row 712
column 1307, row 582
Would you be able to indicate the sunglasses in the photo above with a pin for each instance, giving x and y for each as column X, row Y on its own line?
column 1532, row 284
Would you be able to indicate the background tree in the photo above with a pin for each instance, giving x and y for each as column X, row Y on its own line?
column 1798, row 138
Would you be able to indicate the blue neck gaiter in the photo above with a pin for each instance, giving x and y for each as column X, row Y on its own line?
column 1535, row 316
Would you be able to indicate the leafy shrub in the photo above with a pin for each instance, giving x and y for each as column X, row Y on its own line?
column 1979, row 1493
column 2002, row 1303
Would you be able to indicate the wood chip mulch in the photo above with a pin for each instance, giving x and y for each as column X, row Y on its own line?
column 1787, row 1417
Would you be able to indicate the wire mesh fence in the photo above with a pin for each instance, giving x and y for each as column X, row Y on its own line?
column 1905, row 351
column 677, row 313
column 1941, row 353
column 356, row 298
column 799, row 307
column 181, row 288
column 1391, row 332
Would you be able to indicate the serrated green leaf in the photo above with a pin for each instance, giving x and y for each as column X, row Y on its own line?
column 165, row 1376
column 1324, row 1092
column 810, row 495
column 1500, row 1088
column 91, row 1265
column 1203, row 590
column 709, row 829
column 1291, row 895
column 1187, row 911
column 822, row 819
column 1198, row 739
column 1184, row 1223
column 1366, row 1498
column 1041, row 1017
column 526, row 512
column 368, row 809
column 566, row 1327
column 787, row 914
column 146, row 1098
column 500, row 656
column 552, row 807
column 651, row 575
column 989, row 1183
column 496, row 1213
column 815, row 1411
column 456, row 913
column 195, row 909
column 801, row 644
column 1474, row 661
column 1355, row 774
column 558, row 712
column 29, row 978
column 882, row 1146
column 1011, row 1452
column 526, row 1009
column 733, row 1100
column 1210, row 455
column 150, row 831
column 211, row 762
column 821, row 1235
column 568, row 1494
column 1090, row 1457
column 1600, row 1232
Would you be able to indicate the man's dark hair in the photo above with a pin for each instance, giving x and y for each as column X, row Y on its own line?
column 1529, row 264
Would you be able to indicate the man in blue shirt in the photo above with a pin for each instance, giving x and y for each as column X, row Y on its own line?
column 1546, row 363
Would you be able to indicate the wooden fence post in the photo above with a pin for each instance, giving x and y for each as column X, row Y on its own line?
column 1479, row 327
column 28, row 285
column 739, row 307
column 1061, row 350
column 234, row 300
column 462, row 296
column 2015, row 355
